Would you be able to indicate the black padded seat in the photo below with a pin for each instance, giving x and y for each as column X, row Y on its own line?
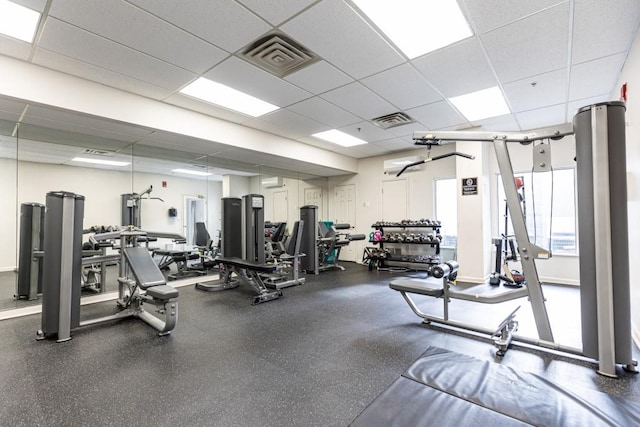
column 143, row 267
column 487, row 294
column 429, row 287
column 162, row 292
column 240, row 263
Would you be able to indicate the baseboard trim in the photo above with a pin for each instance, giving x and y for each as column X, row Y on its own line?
column 5, row 269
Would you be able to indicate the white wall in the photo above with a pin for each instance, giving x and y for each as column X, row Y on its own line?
column 102, row 189
column 630, row 74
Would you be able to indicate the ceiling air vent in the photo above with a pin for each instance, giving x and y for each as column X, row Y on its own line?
column 392, row 120
column 278, row 54
column 97, row 152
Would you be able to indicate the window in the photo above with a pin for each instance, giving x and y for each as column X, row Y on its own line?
column 549, row 205
column 446, row 198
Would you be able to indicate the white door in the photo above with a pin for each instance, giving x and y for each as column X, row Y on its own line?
column 394, row 200
column 313, row 196
column 345, row 197
column 194, row 211
column 280, row 206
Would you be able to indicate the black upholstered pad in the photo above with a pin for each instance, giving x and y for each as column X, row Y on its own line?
column 487, row 294
column 523, row 396
column 428, row 286
column 240, row 263
column 162, row 292
column 409, row 403
column 143, row 267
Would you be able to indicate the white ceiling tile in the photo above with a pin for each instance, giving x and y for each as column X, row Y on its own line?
column 276, row 11
column 359, row 100
column 596, row 77
column 65, row 39
column 458, row 69
column 37, row 5
column 337, row 33
column 395, row 144
column 402, row 86
column 225, row 24
column 87, row 122
column 324, row 112
column 133, row 27
column 542, row 117
column 486, row 15
column 371, row 150
column 436, row 116
column 505, row 123
column 14, row 47
column 549, row 89
column 247, row 78
column 366, row 131
column 289, row 124
column 8, row 116
column 574, row 106
column 101, row 75
column 319, row 77
column 407, row 130
column 71, row 127
column 315, row 142
column 534, row 45
column 603, row 28
column 12, row 106
column 205, row 108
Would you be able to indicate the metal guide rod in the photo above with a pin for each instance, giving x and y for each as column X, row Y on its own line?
column 434, row 138
column 528, row 251
column 602, row 221
column 66, row 269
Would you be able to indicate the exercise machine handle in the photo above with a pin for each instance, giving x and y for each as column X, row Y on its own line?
column 442, row 156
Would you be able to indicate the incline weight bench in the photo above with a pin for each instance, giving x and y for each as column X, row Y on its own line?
column 150, row 279
column 249, row 272
column 438, row 287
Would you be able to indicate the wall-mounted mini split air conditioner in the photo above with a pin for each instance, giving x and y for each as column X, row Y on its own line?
column 272, row 182
column 393, row 166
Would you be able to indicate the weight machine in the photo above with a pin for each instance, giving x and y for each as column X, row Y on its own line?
column 604, row 261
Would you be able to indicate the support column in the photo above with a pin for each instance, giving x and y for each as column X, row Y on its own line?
column 474, row 223
column 235, row 186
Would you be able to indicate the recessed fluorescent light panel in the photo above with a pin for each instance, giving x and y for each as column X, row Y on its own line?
column 481, row 104
column 190, row 172
column 18, row 21
column 339, row 138
column 99, row 161
column 418, row 26
column 219, row 94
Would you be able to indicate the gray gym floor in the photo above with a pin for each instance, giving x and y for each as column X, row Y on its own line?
column 316, row 357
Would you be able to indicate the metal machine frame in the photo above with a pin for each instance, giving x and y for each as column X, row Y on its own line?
column 606, row 339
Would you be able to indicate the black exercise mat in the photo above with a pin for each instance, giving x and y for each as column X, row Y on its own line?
column 518, row 395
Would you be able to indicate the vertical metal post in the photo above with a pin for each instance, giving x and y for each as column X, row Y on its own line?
column 602, row 222
column 526, row 249
column 66, row 268
column 35, row 246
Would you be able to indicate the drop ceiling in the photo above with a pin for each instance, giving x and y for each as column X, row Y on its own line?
column 549, row 57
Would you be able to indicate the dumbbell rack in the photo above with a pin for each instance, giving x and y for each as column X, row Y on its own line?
column 423, row 261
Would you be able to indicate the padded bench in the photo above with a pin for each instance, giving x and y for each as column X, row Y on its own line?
column 145, row 271
column 478, row 293
column 249, row 272
column 430, row 287
column 249, row 265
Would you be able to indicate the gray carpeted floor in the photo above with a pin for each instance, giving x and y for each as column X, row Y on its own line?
column 316, row 357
